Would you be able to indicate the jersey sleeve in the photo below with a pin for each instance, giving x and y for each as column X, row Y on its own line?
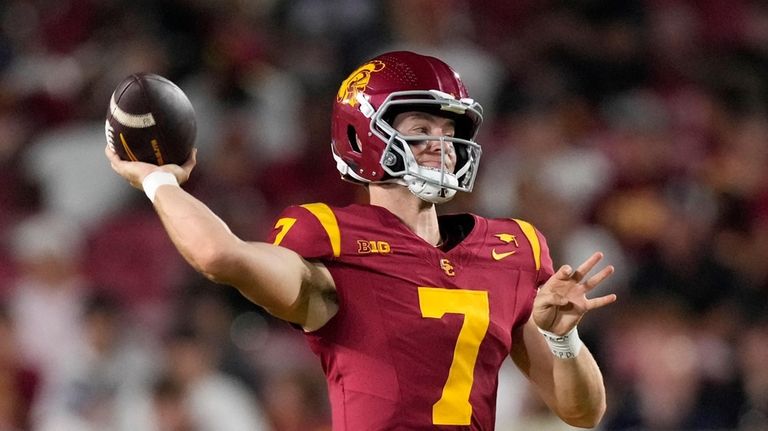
column 311, row 230
column 546, row 270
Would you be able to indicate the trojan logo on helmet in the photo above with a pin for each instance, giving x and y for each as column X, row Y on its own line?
column 368, row 149
column 357, row 81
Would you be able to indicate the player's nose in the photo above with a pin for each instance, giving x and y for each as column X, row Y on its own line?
column 439, row 145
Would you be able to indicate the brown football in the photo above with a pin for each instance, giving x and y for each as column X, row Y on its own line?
column 150, row 119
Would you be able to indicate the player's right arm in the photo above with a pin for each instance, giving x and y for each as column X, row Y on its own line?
column 276, row 278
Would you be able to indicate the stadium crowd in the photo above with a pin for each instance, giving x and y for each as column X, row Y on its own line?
column 636, row 127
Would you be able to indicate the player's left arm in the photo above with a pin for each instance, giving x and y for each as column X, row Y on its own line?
column 572, row 386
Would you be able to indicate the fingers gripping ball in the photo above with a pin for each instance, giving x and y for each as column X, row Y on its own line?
column 150, row 119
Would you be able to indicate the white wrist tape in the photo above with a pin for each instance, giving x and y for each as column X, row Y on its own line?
column 565, row 346
column 151, row 182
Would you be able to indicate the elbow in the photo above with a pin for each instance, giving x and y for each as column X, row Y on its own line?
column 212, row 261
column 588, row 418
column 583, row 422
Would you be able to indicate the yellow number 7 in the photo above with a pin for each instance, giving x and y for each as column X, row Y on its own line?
column 453, row 407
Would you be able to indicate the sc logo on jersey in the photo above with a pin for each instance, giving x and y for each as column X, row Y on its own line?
column 371, row 246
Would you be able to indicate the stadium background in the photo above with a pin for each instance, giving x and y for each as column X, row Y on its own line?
column 635, row 127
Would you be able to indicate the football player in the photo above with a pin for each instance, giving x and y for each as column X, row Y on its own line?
column 410, row 313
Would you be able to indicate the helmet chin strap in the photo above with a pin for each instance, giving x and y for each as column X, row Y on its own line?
column 428, row 188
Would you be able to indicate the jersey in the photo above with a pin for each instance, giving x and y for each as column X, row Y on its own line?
column 421, row 332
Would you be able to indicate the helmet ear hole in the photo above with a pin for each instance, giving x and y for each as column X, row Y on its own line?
column 393, row 159
column 352, row 137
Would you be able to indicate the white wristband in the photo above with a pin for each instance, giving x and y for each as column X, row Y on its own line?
column 155, row 179
column 564, row 346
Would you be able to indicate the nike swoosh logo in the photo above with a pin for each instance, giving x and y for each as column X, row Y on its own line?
column 499, row 256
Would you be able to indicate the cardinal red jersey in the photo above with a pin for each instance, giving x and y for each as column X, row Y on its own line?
column 421, row 331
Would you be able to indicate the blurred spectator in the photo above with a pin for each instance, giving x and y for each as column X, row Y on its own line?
column 535, row 415
column 677, row 259
column 18, row 196
column 510, row 397
column 164, row 407
column 127, row 257
column 19, row 384
column 543, row 149
column 217, row 402
column 211, row 313
column 230, row 175
column 84, row 198
column 240, row 85
column 170, row 411
column 47, row 299
column 450, row 37
column 752, row 352
column 293, row 387
column 98, row 385
column 658, row 375
column 296, row 401
column 321, row 39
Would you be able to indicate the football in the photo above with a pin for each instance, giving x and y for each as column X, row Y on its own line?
column 150, row 119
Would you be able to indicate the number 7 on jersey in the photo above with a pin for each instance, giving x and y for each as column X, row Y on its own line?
column 453, row 407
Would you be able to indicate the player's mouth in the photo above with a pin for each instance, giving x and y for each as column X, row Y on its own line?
column 435, row 166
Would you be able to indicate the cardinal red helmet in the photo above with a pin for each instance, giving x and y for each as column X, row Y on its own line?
column 366, row 146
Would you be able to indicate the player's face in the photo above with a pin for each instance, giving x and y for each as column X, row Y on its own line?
column 427, row 153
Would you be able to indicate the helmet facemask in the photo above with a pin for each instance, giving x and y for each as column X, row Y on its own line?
column 435, row 185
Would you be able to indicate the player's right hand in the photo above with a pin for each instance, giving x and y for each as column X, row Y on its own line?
column 134, row 172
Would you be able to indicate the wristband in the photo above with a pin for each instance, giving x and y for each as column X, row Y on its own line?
column 155, row 179
column 565, row 346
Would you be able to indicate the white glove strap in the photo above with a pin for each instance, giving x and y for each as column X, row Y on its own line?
column 565, row 346
column 155, row 179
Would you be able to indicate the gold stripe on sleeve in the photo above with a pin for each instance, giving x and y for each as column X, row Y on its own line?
column 530, row 233
column 325, row 216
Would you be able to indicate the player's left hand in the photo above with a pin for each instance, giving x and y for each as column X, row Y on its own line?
column 562, row 301
column 134, row 172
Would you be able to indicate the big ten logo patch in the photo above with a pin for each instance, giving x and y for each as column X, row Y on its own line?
column 370, row 246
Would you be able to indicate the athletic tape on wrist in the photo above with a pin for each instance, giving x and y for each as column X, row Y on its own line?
column 156, row 179
column 564, row 346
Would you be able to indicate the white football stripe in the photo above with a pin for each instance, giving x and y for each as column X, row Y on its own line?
column 130, row 120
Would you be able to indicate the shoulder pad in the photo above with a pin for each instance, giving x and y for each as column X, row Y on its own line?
column 311, row 230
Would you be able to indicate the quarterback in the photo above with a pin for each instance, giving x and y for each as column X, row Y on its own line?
column 410, row 313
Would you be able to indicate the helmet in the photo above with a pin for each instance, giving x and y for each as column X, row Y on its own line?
column 368, row 149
